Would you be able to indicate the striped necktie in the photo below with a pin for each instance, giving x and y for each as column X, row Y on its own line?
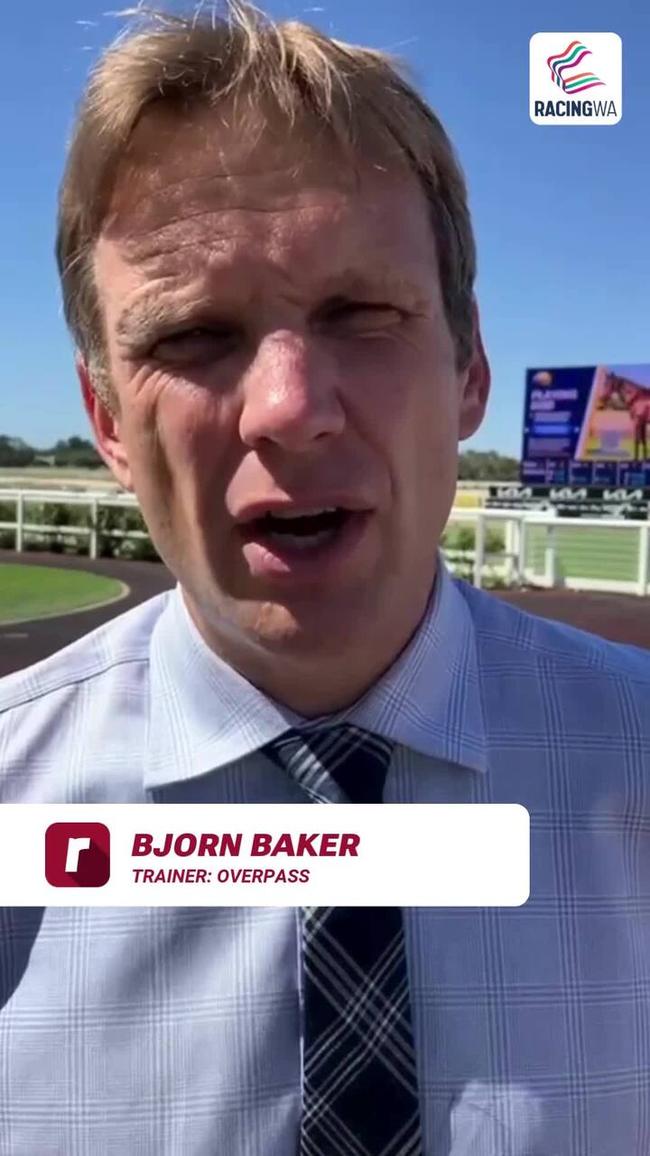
column 360, row 1092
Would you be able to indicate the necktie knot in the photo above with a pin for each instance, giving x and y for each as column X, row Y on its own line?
column 354, row 760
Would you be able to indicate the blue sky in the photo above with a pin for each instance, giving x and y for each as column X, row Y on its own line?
column 561, row 214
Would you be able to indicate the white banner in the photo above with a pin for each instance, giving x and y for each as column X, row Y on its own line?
column 275, row 855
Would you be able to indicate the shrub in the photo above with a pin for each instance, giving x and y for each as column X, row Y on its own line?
column 109, row 518
column 59, row 515
column 32, row 541
column 461, row 538
column 495, row 582
column 494, row 540
column 140, row 550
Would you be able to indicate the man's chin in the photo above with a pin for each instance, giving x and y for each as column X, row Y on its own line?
column 292, row 629
column 240, row 615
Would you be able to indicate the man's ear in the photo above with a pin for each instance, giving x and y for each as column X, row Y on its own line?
column 476, row 387
column 106, row 427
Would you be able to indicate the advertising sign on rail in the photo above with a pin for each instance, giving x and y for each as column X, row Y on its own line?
column 587, row 426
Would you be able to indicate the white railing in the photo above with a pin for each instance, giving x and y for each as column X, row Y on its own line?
column 92, row 503
column 503, row 560
column 541, row 549
column 515, row 547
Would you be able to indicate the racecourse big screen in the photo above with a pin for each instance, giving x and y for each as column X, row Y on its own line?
column 587, row 426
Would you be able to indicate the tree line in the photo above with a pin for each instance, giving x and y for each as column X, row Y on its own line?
column 75, row 451
column 474, row 465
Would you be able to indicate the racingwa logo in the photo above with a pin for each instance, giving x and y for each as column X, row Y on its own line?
column 587, row 70
column 563, row 69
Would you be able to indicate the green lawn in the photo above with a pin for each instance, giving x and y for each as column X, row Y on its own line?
column 610, row 553
column 28, row 592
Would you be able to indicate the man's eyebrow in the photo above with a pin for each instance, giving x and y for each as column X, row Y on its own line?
column 383, row 280
column 138, row 321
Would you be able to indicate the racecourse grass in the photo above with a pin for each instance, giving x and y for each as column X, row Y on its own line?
column 610, row 553
column 28, row 592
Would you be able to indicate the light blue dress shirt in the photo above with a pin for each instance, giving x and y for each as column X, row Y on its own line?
column 176, row 1031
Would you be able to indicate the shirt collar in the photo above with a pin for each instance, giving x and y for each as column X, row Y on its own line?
column 204, row 714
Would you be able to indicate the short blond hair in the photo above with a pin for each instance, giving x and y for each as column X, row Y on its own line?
column 359, row 95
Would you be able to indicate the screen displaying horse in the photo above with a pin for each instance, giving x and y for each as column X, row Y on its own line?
column 621, row 393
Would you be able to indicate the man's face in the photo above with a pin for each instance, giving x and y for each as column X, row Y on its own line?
column 289, row 405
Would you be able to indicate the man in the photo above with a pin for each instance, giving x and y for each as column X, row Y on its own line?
column 267, row 266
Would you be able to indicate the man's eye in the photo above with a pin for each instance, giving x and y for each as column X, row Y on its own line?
column 194, row 343
column 364, row 314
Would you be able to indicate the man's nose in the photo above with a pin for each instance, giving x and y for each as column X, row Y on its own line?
column 290, row 394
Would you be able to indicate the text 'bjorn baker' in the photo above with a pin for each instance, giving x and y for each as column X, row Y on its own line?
column 261, row 844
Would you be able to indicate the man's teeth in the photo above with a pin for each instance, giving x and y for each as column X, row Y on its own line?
column 303, row 513
column 303, row 528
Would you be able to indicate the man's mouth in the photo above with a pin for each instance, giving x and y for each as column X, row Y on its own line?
column 298, row 531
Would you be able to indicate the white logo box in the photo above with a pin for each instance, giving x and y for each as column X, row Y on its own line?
column 406, row 855
column 583, row 85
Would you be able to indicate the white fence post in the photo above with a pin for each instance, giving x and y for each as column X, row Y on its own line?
column 479, row 549
column 643, row 557
column 522, row 549
column 549, row 559
column 92, row 552
column 511, row 548
column 20, row 519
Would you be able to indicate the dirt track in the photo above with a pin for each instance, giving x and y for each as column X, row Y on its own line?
column 622, row 618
